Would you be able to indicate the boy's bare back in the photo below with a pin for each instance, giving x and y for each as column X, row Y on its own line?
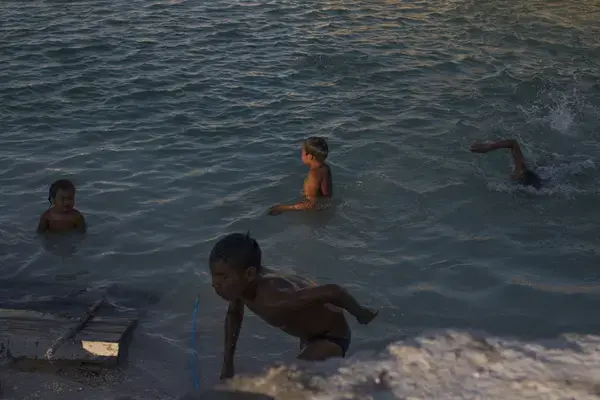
column 279, row 302
column 318, row 183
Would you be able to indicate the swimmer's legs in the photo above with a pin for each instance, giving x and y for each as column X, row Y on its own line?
column 320, row 350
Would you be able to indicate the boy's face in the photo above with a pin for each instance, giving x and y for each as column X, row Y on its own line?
column 64, row 200
column 229, row 283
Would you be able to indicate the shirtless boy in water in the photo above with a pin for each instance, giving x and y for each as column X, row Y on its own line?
column 521, row 174
column 297, row 306
column 318, row 184
column 61, row 216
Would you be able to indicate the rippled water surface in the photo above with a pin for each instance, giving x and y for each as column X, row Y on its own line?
column 180, row 121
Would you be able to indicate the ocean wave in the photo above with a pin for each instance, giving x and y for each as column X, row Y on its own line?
column 441, row 365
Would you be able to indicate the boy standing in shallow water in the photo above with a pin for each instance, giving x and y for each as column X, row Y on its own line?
column 296, row 305
column 318, row 184
column 61, row 216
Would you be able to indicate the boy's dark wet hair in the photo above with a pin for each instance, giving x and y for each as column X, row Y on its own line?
column 61, row 184
column 530, row 178
column 316, row 147
column 238, row 251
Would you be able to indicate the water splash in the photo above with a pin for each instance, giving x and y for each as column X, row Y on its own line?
column 558, row 175
column 562, row 111
column 443, row 365
column 563, row 170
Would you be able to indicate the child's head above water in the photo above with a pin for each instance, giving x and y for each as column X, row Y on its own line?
column 234, row 261
column 530, row 178
column 62, row 194
column 314, row 149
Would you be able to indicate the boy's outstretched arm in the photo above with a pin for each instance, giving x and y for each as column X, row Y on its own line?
column 279, row 299
column 511, row 144
column 233, row 325
column 306, row 204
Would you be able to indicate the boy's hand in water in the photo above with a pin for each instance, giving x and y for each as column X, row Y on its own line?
column 227, row 371
column 276, row 209
column 366, row 315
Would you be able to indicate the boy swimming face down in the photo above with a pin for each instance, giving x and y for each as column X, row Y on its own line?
column 318, row 183
column 296, row 305
column 61, row 216
column 521, row 174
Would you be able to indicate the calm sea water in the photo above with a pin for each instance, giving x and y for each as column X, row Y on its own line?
column 180, row 121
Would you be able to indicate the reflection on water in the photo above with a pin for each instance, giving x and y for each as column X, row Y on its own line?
column 557, row 287
column 62, row 244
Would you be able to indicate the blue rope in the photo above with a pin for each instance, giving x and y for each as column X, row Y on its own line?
column 193, row 361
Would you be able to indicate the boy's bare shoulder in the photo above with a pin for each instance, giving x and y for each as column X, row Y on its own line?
column 325, row 170
column 315, row 173
column 43, row 224
column 321, row 173
column 46, row 214
column 326, row 173
column 273, row 281
column 277, row 282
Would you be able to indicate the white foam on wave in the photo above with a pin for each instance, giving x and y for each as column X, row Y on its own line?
column 444, row 365
column 562, row 170
column 560, row 110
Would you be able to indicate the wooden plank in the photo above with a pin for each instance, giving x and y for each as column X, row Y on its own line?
column 95, row 330
column 104, row 325
column 14, row 316
column 58, row 315
column 76, row 328
column 53, row 333
column 96, row 324
column 36, row 329
column 29, row 333
column 101, row 349
column 61, row 313
column 16, row 336
column 81, row 351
